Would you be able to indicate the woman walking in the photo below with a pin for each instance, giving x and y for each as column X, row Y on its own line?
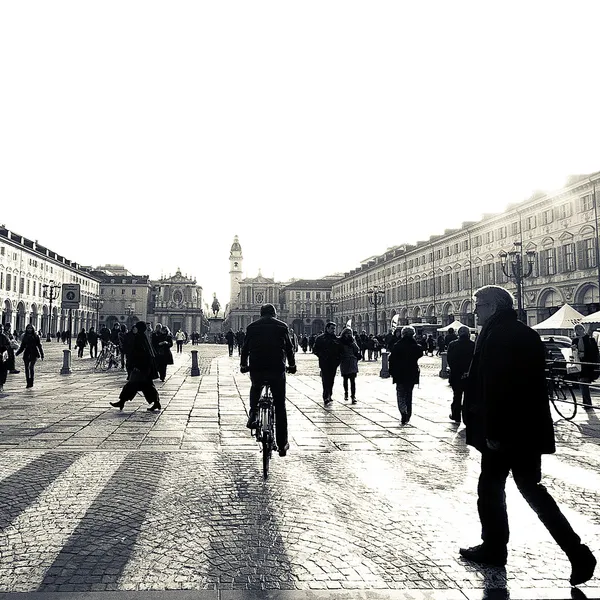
column 405, row 370
column 162, row 342
column 81, row 342
column 350, row 353
column 141, row 360
column 31, row 347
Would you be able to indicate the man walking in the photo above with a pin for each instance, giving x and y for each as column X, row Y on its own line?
column 507, row 415
column 460, row 353
column 230, row 337
column 266, row 347
column 327, row 348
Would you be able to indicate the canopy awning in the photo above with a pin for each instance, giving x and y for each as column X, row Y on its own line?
column 564, row 318
column 593, row 318
column 454, row 325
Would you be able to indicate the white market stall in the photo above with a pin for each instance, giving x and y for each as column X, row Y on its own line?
column 562, row 321
column 454, row 325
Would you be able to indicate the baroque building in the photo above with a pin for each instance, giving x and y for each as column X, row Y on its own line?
column 27, row 269
column 434, row 280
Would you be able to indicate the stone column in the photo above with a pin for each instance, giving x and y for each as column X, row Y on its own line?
column 195, row 369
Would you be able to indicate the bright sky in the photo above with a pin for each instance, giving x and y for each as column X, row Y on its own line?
column 321, row 132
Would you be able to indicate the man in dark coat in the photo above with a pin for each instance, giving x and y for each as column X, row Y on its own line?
column 230, row 337
column 404, row 370
column 327, row 348
column 460, row 353
column 141, row 359
column 450, row 337
column 266, row 347
column 507, row 415
column 240, row 336
column 585, row 349
column 92, row 337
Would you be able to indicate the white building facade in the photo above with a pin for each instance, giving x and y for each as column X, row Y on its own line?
column 434, row 280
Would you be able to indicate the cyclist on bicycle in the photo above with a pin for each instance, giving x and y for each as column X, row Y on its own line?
column 267, row 345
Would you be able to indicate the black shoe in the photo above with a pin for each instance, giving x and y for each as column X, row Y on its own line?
column 583, row 564
column 345, row 397
column 14, row 371
column 354, row 400
column 484, row 555
column 283, row 451
column 453, row 418
column 405, row 418
column 155, row 406
column 120, row 404
column 252, row 423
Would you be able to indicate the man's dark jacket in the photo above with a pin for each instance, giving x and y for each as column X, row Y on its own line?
column 267, row 344
column 460, row 353
column 327, row 348
column 506, row 399
column 403, row 363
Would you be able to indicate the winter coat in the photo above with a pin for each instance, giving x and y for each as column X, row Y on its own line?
column 403, row 359
column 327, row 348
column 349, row 353
column 82, row 339
column 460, row 354
column 506, row 399
column 588, row 354
column 163, row 351
column 31, row 347
column 267, row 346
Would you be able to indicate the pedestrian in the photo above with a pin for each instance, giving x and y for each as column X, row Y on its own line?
column 122, row 334
column 104, row 336
column 240, row 338
column 7, row 358
column 14, row 346
column 180, row 338
column 430, row 344
column 441, row 344
column 58, row 334
column 143, row 371
column 404, row 370
column 327, row 348
column 585, row 349
column 31, row 347
column 460, row 353
column 162, row 342
column 370, row 347
column 114, row 337
column 81, row 342
column 92, row 338
column 230, row 337
column 293, row 338
column 507, row 418
column 349, row 355
column 304, row 343
column 311, row 341
column 450, row 337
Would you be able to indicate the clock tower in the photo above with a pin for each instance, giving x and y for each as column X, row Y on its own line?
column 235, row 271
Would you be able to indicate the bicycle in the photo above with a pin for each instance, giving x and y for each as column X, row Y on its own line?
column 107, row 358
column 561, row 392
column 265, row 431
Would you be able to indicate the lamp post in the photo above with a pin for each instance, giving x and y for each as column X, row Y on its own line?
column 513, row 268
column 51, row 290
column 97, row 303
column 376, row 298
column 333, row 305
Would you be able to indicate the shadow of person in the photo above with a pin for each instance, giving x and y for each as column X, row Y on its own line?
column 494, row 582
column 577, row 594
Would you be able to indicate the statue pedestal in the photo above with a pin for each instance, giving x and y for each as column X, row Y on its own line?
column 215, row 325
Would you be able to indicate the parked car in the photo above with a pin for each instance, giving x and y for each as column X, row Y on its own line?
column 559, row 351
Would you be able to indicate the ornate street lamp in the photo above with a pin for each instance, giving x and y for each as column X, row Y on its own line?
column 513, row 268
column 97, row 303
column 376, row 299
column 51, row 291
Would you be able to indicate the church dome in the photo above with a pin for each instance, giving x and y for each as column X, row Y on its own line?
column 235, row 247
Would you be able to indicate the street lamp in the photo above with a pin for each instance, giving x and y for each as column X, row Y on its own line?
column 376, row 298
column 513, row 268
column 51, row 290
column 97, row 303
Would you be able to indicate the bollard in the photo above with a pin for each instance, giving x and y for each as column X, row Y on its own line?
column 444, row 369
column 385, row 372
column 195, row 370
column 66, row 368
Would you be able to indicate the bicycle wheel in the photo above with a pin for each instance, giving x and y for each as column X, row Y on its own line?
column 266, row 452
column 564, row 401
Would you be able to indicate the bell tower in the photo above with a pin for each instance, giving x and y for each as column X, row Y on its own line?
column 235, row 271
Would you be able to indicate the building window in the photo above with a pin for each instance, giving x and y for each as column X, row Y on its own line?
column 8, row 282
column 563, row 211
column 590, row 254
column 133, row 292
column 297, row 295
column 514, row 228
column 122, row 292
column 308, row 295
column 569, row 257
column 112, row 292
column 586, row 203
column 317, row 295
column 28, row 287
column 547, row 217
column 465, row 245
column 489, row 237
column 447, row 283
column 22, row 285
column 547, row 262
column 530, row 223
column 1, row 280
column 2, row 251
column 34, row 287
column 477, row 241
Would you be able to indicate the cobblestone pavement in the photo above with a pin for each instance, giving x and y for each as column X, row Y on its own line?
column 94, row 499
